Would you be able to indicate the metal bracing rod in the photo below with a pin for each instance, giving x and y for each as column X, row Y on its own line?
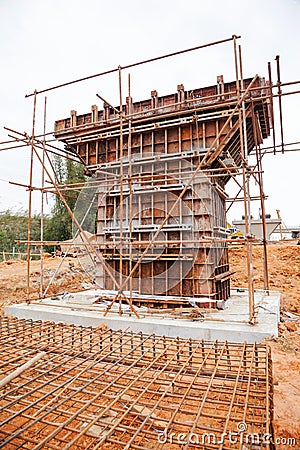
column 74, row 153
column 30, row 198
column 50, row 190
column 62, row 155
column 244, row 153
column 16, row 373
column 121, row 187
column 282, row 94
column 14, row 147
column 262, row 202
column 144, row 179
column 280, row 100
column 11, row 141
column 274, row 85
column 52, row 168
column 114, row 175
column 288, row 83
column 90, row 184
column 129, row 180
column 203, row 240
column 36, row 136
column 144, row 182
column 42, row 204
column 245, row 162
column 279, row 145
column 107, row 103
column 269, row 408
column 146, row 61
column 65, row 150
column 204, row 161
column 285, row 150
column 272, row 106
column 172, row 175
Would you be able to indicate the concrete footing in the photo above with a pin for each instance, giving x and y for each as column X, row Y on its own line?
column 231, row 323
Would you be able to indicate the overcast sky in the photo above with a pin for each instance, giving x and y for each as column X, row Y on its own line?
column 44, row 43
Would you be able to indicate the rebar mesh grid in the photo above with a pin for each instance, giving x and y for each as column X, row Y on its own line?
column 98, row 388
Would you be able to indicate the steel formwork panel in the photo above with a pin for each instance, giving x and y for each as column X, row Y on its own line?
column 96, row 388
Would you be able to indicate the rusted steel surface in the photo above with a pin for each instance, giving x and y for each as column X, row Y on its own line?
column 97, row 388
column 179, row 103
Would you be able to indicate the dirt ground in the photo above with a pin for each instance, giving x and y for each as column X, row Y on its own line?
column 13, row 279
column 284, row 275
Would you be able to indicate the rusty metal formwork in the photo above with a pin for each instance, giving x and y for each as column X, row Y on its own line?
column 89, row 388
column 144, row 166
column 178, row 263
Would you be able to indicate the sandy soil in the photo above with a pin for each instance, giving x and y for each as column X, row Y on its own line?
column 284, row 276
column 13, row 284
column 284, row 270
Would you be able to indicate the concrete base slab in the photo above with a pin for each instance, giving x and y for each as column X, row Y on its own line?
column 229, row 324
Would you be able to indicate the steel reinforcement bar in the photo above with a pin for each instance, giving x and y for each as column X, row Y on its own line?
column 70, row 387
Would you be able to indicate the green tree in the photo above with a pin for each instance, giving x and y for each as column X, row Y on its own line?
column 13, row 226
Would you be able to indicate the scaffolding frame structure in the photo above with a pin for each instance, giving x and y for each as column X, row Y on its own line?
column 241, row 106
